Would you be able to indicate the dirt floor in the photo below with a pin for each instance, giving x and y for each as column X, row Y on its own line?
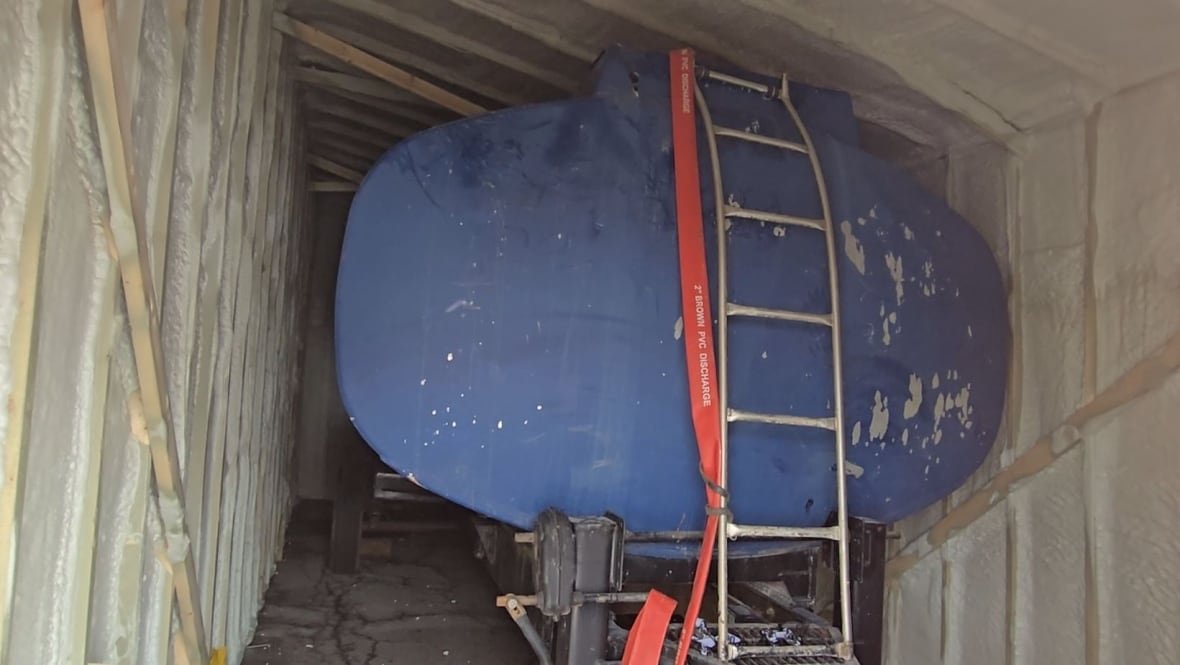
column 419, row 598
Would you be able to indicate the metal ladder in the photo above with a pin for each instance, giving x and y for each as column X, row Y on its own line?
column 835, row 424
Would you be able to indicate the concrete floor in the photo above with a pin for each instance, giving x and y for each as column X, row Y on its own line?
column 423, row 600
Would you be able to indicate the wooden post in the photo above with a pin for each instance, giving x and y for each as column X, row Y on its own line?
column 129, row 235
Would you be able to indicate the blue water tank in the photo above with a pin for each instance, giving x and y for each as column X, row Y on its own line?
column 508, row 318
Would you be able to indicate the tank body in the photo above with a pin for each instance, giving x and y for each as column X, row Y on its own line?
column 509, row 331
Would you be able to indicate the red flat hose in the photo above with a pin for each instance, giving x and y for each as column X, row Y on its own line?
column 698, row 352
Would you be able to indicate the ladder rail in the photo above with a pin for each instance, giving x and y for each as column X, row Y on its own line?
column 837, row 373
column 722, row 347
column 839, row 532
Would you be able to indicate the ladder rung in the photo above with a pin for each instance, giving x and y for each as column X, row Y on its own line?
column 754, row 531
column 736, row 416
column 718, row 130
column 740, row 82
column 797, row 651
column 734, row 309
column 774, row 217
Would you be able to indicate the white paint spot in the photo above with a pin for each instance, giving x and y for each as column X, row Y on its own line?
column 853, row 469
column 861, row 220
column 678, row 328
column 893, row 263
column 852, row 247
column 526, row 421
column 764, row 355
column 422, row 382
column 434, row 412
column 856, row 433
column 905, row 437
column 731, row 201
column 450, row 357
column 910, row 408
column 909, row 234
column 780, row 231
column 559, row 236
column 454, row 423
column 969, row 333
column 880, row 421
column 934, row 381
column 539, row 407
column 886, row 337
column 873, row 212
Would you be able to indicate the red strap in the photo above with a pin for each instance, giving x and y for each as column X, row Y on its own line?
column 646, row 641
column 699, row 356
column 698, row 315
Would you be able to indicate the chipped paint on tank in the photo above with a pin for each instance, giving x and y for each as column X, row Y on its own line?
column 880, row 421
column 910, row 409
column 852, row 247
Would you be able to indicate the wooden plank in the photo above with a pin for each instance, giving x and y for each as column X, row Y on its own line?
column 361, row 149
column 360, row 118
column 449, row 75
column 376, row 139
column 548, row 34
column 128, row 232
column 325, row 164
column 332, row 186
column 403, row 20
column 369, row 110
column 361, row 85
column 372, row 65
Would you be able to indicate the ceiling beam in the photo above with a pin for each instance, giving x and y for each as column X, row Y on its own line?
column 335, row 168
column 332, row 186
column 366, row 153
column 379, row 121
column 398, row 110
column 361, row 85
column 403, row 20
column 444, row 74
column 548, row 34
column 332, row 124
column 373, row 65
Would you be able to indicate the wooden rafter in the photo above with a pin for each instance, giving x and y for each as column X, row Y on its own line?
column 359, row 116
column 448, row 75
column 548, row 34
column 345, row 148
column 403, row 20
column 398, row 110
column 361, row 85
column 335, row 168
column 352, row 132
column 332, row 186
column 373, row 65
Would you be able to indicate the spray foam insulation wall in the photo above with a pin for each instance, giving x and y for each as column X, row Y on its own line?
column 93, row 550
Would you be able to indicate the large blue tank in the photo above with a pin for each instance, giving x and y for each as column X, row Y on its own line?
column 508, row 314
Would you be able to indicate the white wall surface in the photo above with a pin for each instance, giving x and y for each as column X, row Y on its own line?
column 86, row 572
column 1064, row 547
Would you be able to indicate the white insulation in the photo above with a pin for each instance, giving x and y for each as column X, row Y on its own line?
column 216, row 150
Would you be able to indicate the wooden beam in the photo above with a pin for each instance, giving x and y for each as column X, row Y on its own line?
column 363, row 156
column 448, row 75
column 373, row 65
column 128, row 233
column 361, row 85
column 336, row 169
column 352, row 132
column 414, row 114
column 332, row 186
column 413, row 24
column 546, row 33
column 359, row 116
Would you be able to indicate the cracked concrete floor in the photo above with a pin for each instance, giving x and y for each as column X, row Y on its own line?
column 429, row 602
